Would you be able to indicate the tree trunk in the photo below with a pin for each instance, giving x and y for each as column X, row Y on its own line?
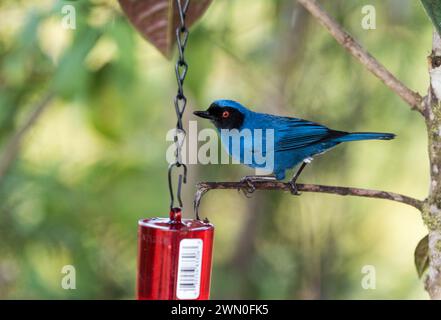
column 432, row 208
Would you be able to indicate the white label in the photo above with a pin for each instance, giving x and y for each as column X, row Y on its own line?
column 189, row 269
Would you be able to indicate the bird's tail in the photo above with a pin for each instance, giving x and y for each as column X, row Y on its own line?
column 354, row 136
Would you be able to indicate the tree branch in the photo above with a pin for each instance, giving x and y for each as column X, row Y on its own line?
column 204, row 187
column 364, row 57
column 12, row 147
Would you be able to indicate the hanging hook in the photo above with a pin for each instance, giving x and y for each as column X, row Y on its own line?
column 200, row 191
column 182, row 178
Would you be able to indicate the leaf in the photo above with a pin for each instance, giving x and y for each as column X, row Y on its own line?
column 433, row 9
column 422, row 255
column 157, row 20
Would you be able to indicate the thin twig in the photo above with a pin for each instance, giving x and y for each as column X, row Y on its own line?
column 12, row 147
column 204, row 187
column 363, row 56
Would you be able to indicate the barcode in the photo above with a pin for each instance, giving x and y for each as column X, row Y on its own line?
column 189, row 269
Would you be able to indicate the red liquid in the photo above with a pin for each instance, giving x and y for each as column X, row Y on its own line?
column 159, row 242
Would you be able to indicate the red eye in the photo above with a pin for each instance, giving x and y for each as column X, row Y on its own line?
column 225, row 114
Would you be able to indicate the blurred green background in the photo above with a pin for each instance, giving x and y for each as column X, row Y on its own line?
column 94, row 163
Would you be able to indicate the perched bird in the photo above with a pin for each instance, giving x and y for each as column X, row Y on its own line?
column 295, row 140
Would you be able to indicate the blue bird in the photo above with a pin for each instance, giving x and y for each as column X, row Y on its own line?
column 295, row 140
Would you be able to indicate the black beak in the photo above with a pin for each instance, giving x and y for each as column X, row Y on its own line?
column 203, row 114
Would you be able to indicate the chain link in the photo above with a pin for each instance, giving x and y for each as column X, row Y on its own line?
column 180, row 102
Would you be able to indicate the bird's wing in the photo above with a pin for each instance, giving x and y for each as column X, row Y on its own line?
column 293, row 133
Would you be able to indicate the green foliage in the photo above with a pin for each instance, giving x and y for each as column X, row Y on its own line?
column 72, row 76
column 433, row 9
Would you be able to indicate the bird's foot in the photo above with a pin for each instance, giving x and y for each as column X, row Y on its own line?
column 247, row 183
column 247, row 187
column 293, row 188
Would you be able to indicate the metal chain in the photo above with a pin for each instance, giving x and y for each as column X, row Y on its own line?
column 180, row 103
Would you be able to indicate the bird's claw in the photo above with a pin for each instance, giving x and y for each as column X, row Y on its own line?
column 248, row 189
column 293, row 188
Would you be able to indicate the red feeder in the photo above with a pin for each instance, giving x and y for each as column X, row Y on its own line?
column 174, row 258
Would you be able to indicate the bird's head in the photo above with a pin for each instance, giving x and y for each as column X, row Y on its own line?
column 225, row 114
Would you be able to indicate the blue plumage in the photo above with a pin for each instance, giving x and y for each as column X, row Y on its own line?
column 295, row 140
